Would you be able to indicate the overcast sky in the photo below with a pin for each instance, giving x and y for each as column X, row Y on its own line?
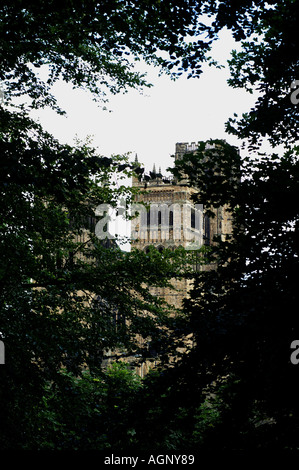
column 151, row 124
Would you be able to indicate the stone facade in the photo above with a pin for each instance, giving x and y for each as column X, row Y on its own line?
column 169, row 219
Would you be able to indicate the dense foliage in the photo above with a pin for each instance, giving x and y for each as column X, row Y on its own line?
column 67, row 297
column 268, row 63
column 240, row 381
column 243, row 314
column 64, row 295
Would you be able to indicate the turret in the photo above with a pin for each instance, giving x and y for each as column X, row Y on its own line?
column 138, row 171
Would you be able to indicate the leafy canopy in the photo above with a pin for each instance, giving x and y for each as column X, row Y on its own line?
column 47, row 191
column 95, row 45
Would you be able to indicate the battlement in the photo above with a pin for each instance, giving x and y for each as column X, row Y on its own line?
column 152, row 178
column 155, row 178
column 184, row 147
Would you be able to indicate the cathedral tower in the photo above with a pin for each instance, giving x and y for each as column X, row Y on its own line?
column 170, row 219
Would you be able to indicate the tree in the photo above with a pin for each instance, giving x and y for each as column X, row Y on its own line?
column 66, row 298
column 237, row 389
column 239, row 379
column 243, row 313
column 47, row 190
column 240, row 382
column 268, row 62
column 94, row 44
column 87, row 412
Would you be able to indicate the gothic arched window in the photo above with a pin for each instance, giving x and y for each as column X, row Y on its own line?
column 170, row 218
column 159, row 218
column 192, row 218
column 207, row 231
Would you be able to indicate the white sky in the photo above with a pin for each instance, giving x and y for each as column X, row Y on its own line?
column 151, row 124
